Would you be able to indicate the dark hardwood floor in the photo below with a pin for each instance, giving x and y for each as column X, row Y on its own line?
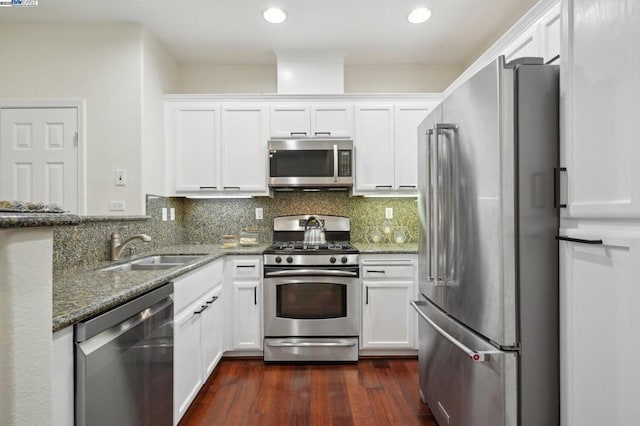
column 371, row 392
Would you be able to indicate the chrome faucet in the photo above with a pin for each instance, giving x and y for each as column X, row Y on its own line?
column 117, row 246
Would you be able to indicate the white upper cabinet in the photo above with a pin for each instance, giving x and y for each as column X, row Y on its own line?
column 217, row 149
column 407, row 118
column 374, row 148
column 386, row 142
column 542, row 39
column 304, row 120
column 243, row 148
column 194, row 132
column 600, row 109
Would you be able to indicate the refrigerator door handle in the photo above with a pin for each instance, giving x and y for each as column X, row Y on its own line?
column 476, row 356
column 429, row 209
column 443, row 223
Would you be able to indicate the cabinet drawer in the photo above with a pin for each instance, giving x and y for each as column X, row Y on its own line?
column 249, row 268
column 378, row 271
column 192, row 285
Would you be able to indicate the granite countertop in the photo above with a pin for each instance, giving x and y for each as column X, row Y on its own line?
column 387, row 248
column 82, row 293
column 28, row 220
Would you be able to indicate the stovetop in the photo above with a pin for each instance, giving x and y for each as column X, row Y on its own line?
column 298, row 253
column 300, row 247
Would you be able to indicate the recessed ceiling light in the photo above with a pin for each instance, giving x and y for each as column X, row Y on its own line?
column 274, row 15
column 419, row 15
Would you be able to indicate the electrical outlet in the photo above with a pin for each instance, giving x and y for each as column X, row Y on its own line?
column 121, row 177
column 117, row 206
column 164, row 213
column 259, row 214
column 172, row 214
column 388, row 213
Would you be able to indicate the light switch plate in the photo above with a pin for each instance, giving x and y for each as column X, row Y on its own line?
column 259, row 214
column 121, row 177
column 388, row 213
column 172, row 214
column 164, row 213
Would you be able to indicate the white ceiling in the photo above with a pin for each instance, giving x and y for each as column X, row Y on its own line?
column 233, row 31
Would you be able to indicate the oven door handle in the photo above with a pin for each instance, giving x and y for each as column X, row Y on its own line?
column 338, row 344
column 311, row 272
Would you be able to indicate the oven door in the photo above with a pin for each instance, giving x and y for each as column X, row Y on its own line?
column 311, row 303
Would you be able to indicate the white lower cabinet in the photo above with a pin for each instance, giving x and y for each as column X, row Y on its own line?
column 197, row 332
column 599, row 339
column 388, row 285
column 243, row 279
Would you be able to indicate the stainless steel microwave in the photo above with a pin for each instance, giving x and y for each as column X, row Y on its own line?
column 311, row 163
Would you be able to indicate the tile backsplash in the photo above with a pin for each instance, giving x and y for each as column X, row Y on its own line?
column 206, row 220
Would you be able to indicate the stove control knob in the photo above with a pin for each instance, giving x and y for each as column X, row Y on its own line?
column 344, row 259
column 278, row 259
column 289, row 259
column 332, row 259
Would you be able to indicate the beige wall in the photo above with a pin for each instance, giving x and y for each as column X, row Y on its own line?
column 159, row 76
column 122, row 73
column 403, row 78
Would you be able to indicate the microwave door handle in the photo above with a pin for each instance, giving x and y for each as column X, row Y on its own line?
column 335, row 162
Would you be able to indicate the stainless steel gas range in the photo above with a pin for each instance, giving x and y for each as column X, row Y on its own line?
column 311, row 293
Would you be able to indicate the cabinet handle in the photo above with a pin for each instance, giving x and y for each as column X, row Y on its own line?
column 408, row 186
column 376, row 271
column 383, row 186
column 202, row 309
column 578, row 240
column 556, row 187
column 366, row 295
column 213, row 299
column 245, row 266
column 255, row 295
column 231, row 187
column 298, row 133
column 322, row 133
column 208, row 187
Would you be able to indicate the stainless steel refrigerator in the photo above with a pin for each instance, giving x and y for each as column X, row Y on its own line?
column 488, row 263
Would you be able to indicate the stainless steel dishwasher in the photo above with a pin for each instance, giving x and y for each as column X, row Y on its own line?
column 124, row 363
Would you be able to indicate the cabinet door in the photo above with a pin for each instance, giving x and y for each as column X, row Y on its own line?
column 195, row 135
column 599, row 340
column 549, row 30
column 407, row 118
column 374, row 148
column 187, row 359
column 526, row 45
column 243, row 148
column 331, row 120
column 387, row 318
column 601, row 93
column 247, row 314
column 211, row 329
column 290, row 120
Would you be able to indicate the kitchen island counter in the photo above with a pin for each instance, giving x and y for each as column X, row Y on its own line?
column 81, row 293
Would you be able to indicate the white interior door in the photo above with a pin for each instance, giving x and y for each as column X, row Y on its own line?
column 39, row 155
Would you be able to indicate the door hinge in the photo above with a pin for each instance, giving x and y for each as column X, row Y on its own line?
column 75, row 139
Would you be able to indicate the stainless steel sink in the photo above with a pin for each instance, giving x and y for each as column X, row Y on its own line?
column 173, row 258
column 154, row 263
column 140, row 267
